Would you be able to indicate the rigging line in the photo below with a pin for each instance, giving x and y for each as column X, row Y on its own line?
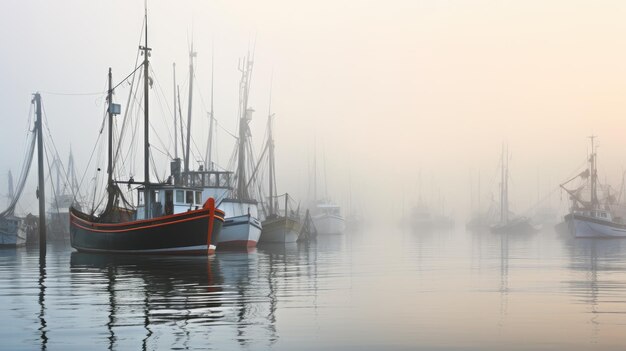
column 56, row 151
column 72, row 94
column 89, row 162
column 132, row 96
column 54, row 192
column 159, row 100
column 160, row 141
column 130, row 93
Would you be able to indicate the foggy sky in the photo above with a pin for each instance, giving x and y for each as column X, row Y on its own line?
column 389, row 89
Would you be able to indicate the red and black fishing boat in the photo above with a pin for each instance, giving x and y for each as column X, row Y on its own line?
column 168, row 219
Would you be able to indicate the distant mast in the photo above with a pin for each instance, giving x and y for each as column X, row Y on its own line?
column 245, row 67
column 192, row 54
column 272, row 170
column 208, row 160
column 174, row 111
column 504, row 187
column 594, row 173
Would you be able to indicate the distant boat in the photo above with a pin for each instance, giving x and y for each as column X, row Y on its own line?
column 509, row 224
column 593, row 217
column 279, row 226
column 168, row 219
column 63, row 197
column 422, row 218
column 325, row 214
column 327, row 218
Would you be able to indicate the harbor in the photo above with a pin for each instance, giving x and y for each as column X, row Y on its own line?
column 291, row 176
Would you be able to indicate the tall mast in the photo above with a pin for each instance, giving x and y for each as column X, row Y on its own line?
column 245, row 116
column 110, row 146
column 146, row 132
column 208, row 161
column 174, row 111
column 192, row 54
column 42, row 185
column 594, row 173
column 270, row 140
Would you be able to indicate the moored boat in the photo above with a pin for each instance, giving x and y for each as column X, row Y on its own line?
column 509, row 223
column 168, row 219
column 328, row 219
column 593, row 216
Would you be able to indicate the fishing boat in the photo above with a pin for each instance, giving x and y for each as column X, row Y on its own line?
column 15, row 231
column 231, row 190
column 509, row 223
column 591, row 216
column 325, row 213
column 168, row 218
column 279, row 226
column 327, row 218
column 65, row 194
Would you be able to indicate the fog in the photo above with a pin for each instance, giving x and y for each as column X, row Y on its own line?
column 390, row 92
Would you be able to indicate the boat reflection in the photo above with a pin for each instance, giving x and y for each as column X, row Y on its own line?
column 597, row 281
column 184, row 292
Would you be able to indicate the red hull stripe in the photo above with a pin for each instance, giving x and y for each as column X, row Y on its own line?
column 143, row 220
column 136, row 228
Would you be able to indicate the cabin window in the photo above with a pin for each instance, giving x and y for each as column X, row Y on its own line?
column 189, row 197
column 180, row 196
column 198, row 197
column 140, row 197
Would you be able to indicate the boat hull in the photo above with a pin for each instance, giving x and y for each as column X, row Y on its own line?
column 584, row 227
column 188, row 233
column 238, row 232
column 12, row 232
column 281, row 230
column 329, row 224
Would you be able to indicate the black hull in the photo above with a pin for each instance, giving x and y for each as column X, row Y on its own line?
column 180, row 234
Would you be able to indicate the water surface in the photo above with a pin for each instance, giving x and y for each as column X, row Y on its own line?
column 386, row 288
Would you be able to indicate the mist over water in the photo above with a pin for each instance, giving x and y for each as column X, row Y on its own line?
column 380, row 288
column 391, row 109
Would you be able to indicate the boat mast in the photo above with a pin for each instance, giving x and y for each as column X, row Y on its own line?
column 110, row 186
column 594, row 174
column 245, row 68
column 208, row 161
column 42, row 184
column 192, row 54
column 504, row 188
column 270, row 140
column 146, row 132
column 174, row 111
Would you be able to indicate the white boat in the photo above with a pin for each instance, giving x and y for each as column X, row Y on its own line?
column 594, row 224
column 242, row 226
column 595, row 216
column 328, row 219
column 12, row 231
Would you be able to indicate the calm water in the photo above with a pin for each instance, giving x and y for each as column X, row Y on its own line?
column 374, row 289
